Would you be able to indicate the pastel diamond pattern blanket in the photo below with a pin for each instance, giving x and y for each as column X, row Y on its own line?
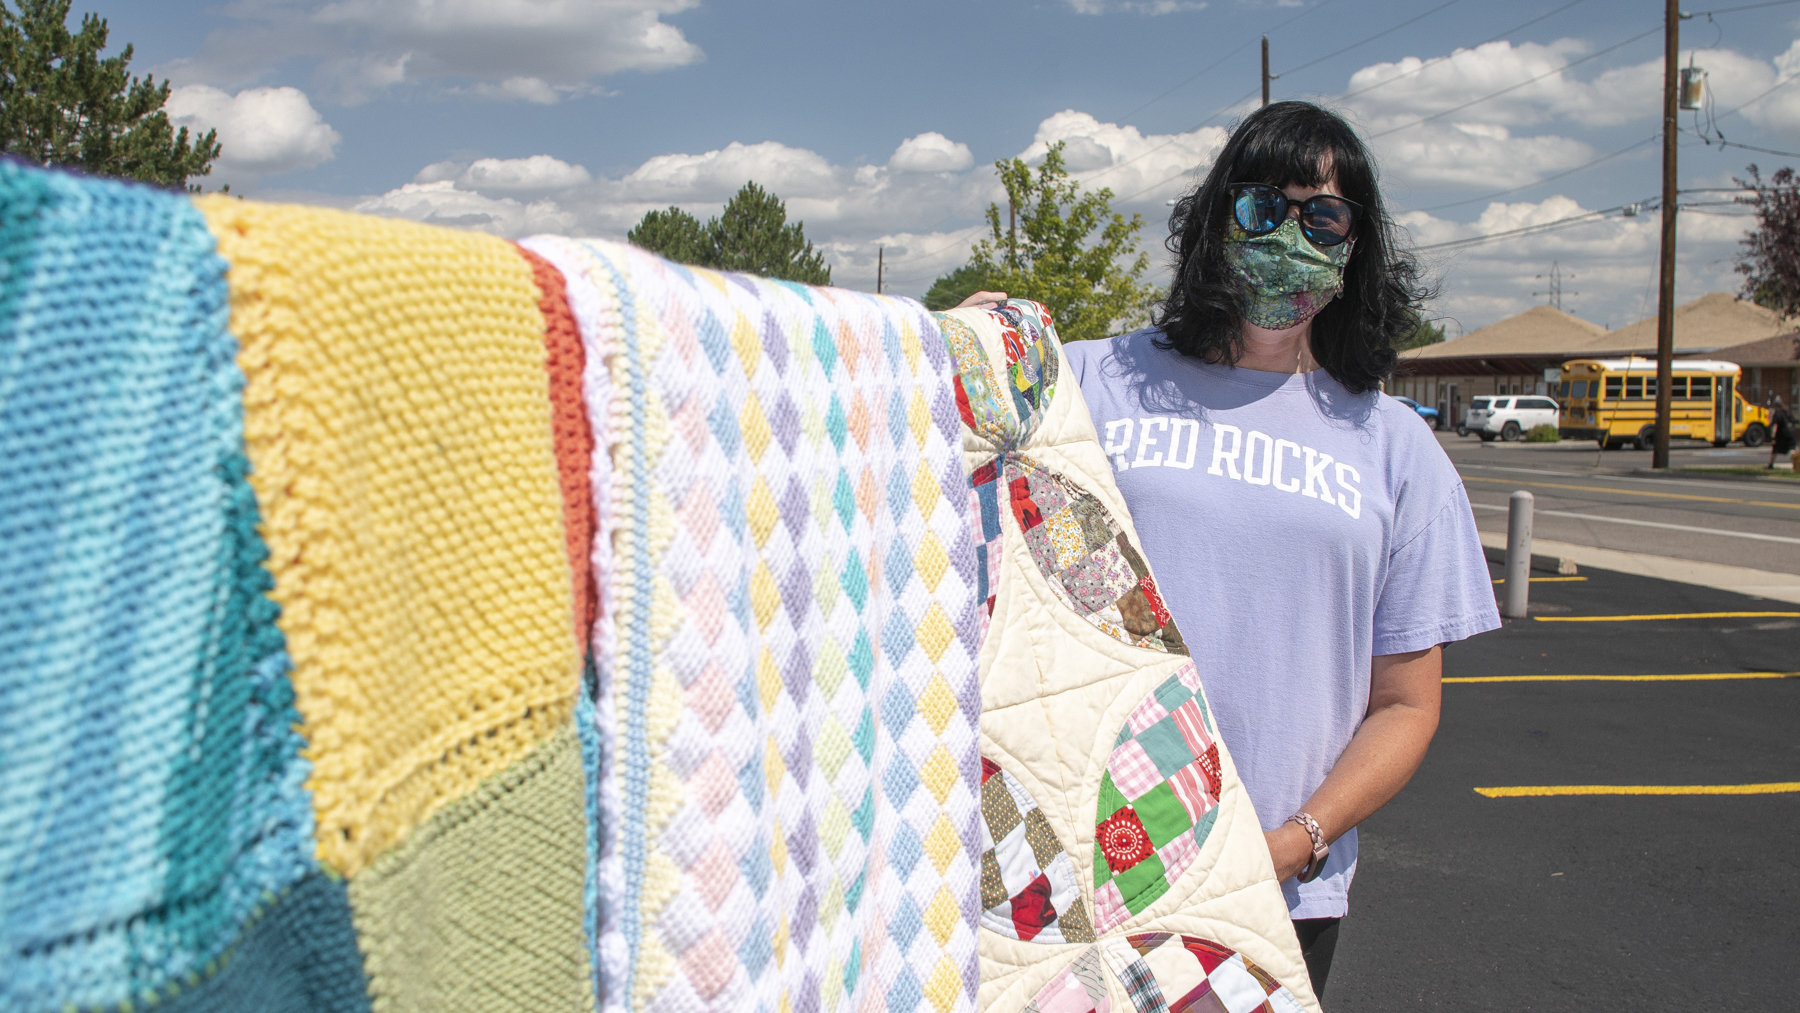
column 793, row 678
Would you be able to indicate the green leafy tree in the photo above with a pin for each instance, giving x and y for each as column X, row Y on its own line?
column 751, row 235
column 1422, row 334
column 61, row 103
column 1065, row 251
column 1770, row 262
column 674, row 234
column 956, row 286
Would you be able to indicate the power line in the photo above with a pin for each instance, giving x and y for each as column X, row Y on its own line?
column 1527, row 230
column 1437, row 60
column 1516, row 87
column 1372, row 38
column 1546, row 179
column 1191, row 78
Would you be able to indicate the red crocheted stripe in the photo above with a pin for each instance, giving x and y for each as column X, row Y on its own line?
column 572, row 434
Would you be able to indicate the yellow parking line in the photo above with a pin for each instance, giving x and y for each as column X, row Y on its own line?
column 1697, row 677
column 1775, row 788
column 1637, row 492
column 1545, row 580
column 1667, row 615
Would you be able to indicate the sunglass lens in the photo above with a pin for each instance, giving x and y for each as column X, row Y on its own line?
column 1327, row 220
column 1259, row 209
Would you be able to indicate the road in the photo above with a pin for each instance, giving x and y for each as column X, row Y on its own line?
column 1605, row 902
column 1609, row 499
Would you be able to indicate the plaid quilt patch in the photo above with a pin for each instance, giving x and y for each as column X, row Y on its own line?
column 1028, row 886
column 1158, row 799
column 1167, row 973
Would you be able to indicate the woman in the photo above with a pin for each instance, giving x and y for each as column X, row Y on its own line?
column 1781, row 424
column 1310, row 536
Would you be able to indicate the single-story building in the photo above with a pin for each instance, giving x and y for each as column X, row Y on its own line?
column 1522, row 354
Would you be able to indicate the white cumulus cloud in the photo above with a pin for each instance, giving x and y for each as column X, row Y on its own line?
column 931, row 152
column 520, row 50
column 514, row 176
column 261, row 131
column 441, row 203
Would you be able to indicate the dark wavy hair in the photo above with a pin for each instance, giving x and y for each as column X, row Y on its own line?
column 1292, row 143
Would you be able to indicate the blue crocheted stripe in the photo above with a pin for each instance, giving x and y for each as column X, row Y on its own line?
column 151, row 788
column 587, row 729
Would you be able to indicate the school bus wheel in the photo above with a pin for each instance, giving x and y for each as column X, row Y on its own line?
column 1755, row 435
column 1646, row 438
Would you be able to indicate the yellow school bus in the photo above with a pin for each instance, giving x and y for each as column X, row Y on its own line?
column 1613, row 402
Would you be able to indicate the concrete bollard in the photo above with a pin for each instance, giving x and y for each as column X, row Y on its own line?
column 1518, row 555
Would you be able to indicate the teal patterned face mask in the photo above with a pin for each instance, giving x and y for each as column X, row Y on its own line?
column 1288, row 280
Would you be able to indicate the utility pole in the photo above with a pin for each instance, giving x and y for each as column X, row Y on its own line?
column 880, row 263
column 1665, row 292
column 1265, row 70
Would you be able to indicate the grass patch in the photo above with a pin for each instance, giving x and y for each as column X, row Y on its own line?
column 1543, row 434
column 1780, row 472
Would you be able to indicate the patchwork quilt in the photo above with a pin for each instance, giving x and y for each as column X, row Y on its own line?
column 1122, row 866
column 398, row 618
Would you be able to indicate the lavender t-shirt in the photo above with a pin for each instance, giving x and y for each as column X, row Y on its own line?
column 1296, row 530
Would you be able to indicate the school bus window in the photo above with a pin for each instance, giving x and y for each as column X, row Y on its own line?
column 1563, row 391
column 1678, row 387
column 1612, row 388
column 1634, row 387
column 1578, row 389
column 1700, row 386
column 1650, row 386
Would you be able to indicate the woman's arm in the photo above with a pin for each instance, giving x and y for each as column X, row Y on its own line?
column 1405, row 691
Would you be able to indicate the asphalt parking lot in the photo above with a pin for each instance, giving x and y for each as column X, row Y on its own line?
column 1600, row 901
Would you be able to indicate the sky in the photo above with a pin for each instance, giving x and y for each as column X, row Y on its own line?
column 879, row 123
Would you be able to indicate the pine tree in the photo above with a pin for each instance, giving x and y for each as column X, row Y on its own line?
column 1770, row 263
column 751, row 235
column 61, row 103
column 1065, row 251
column 674, row 234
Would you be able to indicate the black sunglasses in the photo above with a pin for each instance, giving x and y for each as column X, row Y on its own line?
column 1325, row 219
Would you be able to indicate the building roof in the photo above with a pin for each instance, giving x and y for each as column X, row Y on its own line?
column 1780, row 350
column 1543, row 336
column 1539, row 331
column 1712, row 322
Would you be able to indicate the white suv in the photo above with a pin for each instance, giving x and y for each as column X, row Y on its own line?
column 1509, row 418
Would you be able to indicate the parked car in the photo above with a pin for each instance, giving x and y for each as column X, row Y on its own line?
column 1508, row 418
column 1430, row 415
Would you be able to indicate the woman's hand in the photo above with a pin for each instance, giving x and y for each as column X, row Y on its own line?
column 1405, row 691
column 1291, row 848
column 982, row 299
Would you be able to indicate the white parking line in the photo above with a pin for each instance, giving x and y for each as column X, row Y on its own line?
column 1762, row 488
column 1652, row 524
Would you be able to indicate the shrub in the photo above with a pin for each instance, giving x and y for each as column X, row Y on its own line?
column 1543, row 434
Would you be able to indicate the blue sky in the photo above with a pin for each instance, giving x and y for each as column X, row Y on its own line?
column 879, row 123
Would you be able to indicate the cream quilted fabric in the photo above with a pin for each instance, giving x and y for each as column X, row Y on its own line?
column 1093, row 725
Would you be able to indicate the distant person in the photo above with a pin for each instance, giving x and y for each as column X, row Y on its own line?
column 1311, row 538
column 1781, row 423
